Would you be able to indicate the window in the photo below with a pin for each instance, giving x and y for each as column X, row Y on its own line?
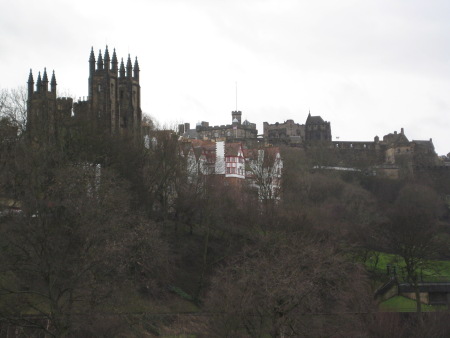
column 99, row 88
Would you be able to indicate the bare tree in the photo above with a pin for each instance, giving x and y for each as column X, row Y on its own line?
column 162, row 172
column 73, row 243
column 411, row 232
column 264, row 166
column 13, row 105
column 288, row 286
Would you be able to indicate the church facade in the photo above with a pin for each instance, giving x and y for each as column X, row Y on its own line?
column 113, row 105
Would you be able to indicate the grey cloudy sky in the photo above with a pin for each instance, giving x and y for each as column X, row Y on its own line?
column 368, row 67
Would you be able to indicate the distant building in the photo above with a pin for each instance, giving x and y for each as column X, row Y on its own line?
column 113, row 104
column 234, row 131
column 286, row 132
column 46, row 113
column 315, row 129
column 114, row 101
column 259, row 168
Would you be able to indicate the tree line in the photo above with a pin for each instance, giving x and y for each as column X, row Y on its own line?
column 93, row 224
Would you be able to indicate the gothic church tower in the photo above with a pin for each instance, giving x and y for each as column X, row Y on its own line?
column 46, row 114
column 114, row 101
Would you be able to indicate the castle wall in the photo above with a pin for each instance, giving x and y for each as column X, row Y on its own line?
column 288, row 129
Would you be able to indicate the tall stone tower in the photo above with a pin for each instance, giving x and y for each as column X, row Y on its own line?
column 114, row 101
column 316, row 129
column 47, row 115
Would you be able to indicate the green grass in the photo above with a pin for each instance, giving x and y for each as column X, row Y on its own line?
column 435, row 270
column 403, row 304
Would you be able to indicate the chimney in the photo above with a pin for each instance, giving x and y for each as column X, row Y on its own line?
column 181, row 129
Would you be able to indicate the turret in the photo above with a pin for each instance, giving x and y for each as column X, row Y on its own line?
column 114, row 62
column 100, row 60
column 236, row 115
column 53, row 83
column 129, row 67
column 92, row 62
column 136, row 69
column 38, row 83
column 30, row 85
column 45, row 81
column 107, row 59
column 122, row 69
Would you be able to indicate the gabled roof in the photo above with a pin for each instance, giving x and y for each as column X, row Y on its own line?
column 314, row 120
column 232, row 149
column 270, row 154
column 251, row 153
column 396, row 139
column 424, row 144
column 185, row 148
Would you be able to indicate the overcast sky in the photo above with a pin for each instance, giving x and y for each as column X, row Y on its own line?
column 368, row 67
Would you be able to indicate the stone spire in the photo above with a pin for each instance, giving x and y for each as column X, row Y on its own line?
column 38, row 83
column 100, row 60
column 45, row 81
column 30, row 84
column 129, row 66
column 122, row 69
column 114, row 62
column 53, row 83
column 107, row 59
column 136, row 69
column 92, row 61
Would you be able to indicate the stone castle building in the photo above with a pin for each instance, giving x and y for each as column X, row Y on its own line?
column 113, row 104
column 315, row 129
column 236, row 130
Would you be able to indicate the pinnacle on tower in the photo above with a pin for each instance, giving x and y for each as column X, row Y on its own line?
column 136, row 68
column 92, row 61
column 53, row 82
column 122, row 69
column 44, row 77
column 107, row 60
column 30, row 84
column 38, row 82
column 129, row 66
column 114, row 61
column 92, row 56
column 30, row 77
column 100, row 60
column 45, row 80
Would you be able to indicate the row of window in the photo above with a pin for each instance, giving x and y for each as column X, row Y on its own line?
column 239, row 171
column 234, row 159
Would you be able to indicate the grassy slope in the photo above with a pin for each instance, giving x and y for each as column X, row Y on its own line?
column 436, row 270
column 403, row 304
